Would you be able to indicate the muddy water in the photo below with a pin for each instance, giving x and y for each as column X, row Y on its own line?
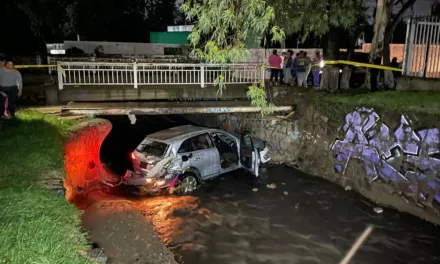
column 317, row 222
column 225, row 221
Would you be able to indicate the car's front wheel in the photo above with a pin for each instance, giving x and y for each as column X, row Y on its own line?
column 188, row 184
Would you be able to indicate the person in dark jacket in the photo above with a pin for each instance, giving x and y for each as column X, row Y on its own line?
column 396, row 74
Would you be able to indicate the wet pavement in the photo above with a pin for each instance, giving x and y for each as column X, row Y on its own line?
column 225, row 221
column 317, row 222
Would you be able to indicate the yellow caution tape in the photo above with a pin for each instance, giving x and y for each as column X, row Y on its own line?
column 33, row 66
column 366, row 65
column 41, row 66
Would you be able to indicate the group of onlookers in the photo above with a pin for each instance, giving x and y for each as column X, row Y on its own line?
column 11, row 87
column 290, row 70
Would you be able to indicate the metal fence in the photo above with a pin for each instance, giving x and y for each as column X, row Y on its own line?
column 54, row 60
column 422, row 48
column 104, row 73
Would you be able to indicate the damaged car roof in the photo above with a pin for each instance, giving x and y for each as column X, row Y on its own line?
column 176, row 132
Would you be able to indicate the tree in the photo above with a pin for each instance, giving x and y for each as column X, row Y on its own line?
column 222, row 27
column 385, row 25
column 353, row 35
column 48, row 19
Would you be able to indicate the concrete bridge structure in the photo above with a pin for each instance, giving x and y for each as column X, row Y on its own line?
column 139, row 88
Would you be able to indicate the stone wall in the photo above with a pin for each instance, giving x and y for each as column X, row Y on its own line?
column 391, row 158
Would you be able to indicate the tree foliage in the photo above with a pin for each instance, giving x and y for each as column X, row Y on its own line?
column 223, row 26
column 48, row 18
column 316, row 16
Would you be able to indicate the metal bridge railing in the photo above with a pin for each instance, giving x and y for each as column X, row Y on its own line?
column 135, row 74
column 54, row 60
column 422, row 48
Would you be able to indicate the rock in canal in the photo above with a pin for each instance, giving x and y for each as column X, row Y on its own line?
column 95, row 255
column 271, row 186
column 378, row 210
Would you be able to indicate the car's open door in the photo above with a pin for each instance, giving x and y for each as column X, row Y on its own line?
column 248, row 154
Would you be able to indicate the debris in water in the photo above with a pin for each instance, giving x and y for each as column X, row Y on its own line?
column 255, row 189
column 283, row 183
column 286, row 193
column 296, row 205
column 378, row 210
column 95, row 255
column 348, row 188
column 271, row 186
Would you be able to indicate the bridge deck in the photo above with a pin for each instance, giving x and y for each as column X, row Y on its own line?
column 165, row 108
column 101, row 93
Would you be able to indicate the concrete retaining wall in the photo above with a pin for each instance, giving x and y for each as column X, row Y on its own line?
column 391, row 158
column 418, row 84
column 84, row 170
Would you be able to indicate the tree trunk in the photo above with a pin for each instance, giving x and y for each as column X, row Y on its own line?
column 346, row 72
column 330, row 73
column 345, row 78
column 283, row 44
column 330, row 78
column 386, row 48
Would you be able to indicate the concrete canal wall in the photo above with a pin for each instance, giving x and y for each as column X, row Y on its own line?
column 389, row 157
column 83, row 166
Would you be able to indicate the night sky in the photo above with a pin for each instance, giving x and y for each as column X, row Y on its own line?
column 104, row 22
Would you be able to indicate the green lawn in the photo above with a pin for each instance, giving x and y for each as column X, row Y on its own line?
column 424, row 102
column 36, row 225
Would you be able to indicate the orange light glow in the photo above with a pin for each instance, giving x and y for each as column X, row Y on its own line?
column 133, row 157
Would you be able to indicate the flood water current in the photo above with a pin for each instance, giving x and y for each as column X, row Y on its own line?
column 237, row 219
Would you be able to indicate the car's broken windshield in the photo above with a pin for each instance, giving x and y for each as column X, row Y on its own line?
column 154, row 148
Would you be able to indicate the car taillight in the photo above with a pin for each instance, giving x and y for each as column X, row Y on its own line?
column 133, row 157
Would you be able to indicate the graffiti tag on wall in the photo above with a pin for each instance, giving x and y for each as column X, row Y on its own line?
column 406, row 158
column 218, row 110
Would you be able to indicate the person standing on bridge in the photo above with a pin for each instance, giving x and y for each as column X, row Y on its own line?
column 11, row 84
column 275, row 65
column 303, row 68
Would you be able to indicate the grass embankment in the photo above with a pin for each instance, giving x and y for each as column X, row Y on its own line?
column 36, row 225
column 417, row 101
column 422, row 102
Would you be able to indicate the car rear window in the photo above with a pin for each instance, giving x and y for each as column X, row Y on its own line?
column 154, row 148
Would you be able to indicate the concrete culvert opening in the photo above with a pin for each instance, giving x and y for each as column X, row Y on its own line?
column 236, row 219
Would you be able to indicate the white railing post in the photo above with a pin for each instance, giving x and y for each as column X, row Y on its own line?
column 202, row 76
column 60, row 77
column 49, row 63
column 135, row 75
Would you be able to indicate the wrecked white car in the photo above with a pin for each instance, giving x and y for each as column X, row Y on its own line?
column 181, row 158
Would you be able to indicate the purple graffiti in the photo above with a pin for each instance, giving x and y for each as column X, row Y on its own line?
column 406, row 158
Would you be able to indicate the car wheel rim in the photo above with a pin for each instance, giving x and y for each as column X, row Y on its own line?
column 189, row 184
